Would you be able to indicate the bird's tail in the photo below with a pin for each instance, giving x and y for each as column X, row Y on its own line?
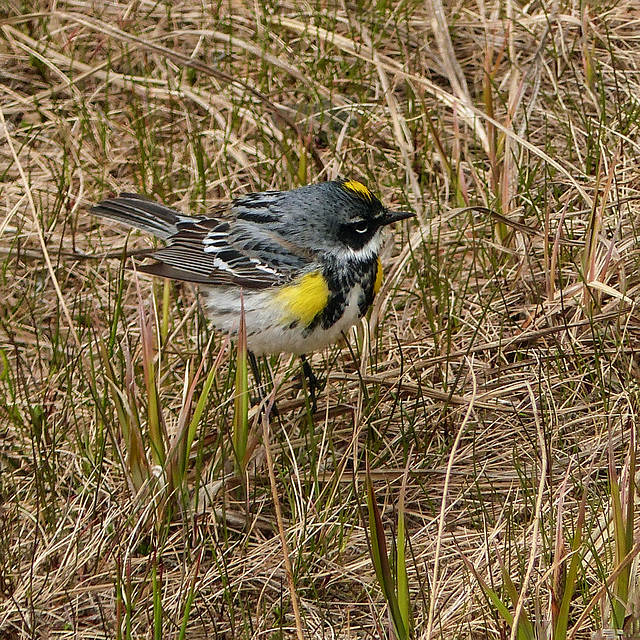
column 140, row 212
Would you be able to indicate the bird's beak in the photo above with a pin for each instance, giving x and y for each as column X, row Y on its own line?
column 395, row 216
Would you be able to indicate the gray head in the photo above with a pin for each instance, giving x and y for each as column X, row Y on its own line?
column 336, row 216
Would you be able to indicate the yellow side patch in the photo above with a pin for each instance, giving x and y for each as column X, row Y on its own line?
column 359, row 188
column 378, row 283
column 303, row 300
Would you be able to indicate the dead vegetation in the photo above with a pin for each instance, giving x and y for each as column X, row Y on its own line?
column 498, row 364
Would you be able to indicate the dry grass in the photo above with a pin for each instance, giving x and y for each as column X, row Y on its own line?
column 520, row 330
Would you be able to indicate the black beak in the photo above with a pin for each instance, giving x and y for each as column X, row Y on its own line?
column 390, row 217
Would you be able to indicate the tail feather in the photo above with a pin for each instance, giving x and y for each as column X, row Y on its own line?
column 141, row 213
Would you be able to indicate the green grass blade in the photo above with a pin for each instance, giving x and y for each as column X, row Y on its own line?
column 136, row 459
column 154, row 424
column 525, row 628
column 156, row 580
column 164, row 321
column 560, row 631
column 402, row 579
column 381, row 561
column 490, row 594
column 241, row 400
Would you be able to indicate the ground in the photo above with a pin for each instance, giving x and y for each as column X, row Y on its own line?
column 492, row 388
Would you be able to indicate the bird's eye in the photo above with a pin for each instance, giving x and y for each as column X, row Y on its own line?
column 362, row 226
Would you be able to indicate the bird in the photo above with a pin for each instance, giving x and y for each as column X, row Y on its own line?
column 304, row 264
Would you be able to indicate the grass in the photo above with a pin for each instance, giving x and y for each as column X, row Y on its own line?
column 492, row 391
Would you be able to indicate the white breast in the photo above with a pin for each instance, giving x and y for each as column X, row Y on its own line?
column 267, row 332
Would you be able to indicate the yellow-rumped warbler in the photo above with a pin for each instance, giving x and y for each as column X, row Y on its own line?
column 305, row 260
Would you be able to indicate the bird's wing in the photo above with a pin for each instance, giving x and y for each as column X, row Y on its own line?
column 208, row 249
column 201, row 252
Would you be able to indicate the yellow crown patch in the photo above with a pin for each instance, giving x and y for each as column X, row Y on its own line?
column 358, row 188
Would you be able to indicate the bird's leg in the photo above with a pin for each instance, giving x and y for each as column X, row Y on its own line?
column 314, row 385
column 262, row 396
column 255, row 370
column 257, row 377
